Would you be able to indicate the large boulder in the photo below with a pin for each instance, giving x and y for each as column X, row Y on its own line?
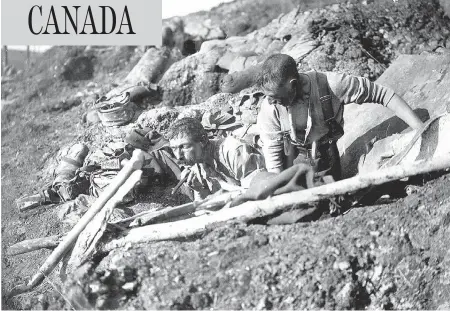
column 191, row 80
column 433, row 143
column 422, row 80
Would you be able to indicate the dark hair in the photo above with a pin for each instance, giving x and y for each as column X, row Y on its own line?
column 277, row 69
column 190, row 127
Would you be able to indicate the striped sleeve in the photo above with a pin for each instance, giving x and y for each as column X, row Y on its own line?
column 351, row 89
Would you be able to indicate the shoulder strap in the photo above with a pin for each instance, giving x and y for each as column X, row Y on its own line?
column 284, row 118
column 324, row 96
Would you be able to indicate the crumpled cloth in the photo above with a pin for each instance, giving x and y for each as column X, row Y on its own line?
column 265, row 184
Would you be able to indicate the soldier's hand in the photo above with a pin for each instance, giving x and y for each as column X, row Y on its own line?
column 198, row 177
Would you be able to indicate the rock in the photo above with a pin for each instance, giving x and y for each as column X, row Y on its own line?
column 343, row 297
column 300, row 45
column 261, row 240
column 191, row 80
column 242, row 63
column 432, row 144
column 201, row 300
column 343, row 265
column 226, row 60
column 158, row 119
column 335, row 7
column 421, row 80
column 98, row 288
column 218, row 101
column 377, row 271
column 21, row 231
column 264, row 304
column 203, row 29
column 78, row 68
column 129, row 286
column 237, row 81
column 152, row 65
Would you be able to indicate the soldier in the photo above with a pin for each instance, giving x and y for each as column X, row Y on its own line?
column 301, row 117
column 207, row 164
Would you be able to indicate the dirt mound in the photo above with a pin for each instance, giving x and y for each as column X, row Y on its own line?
column 363, row 38
column 390, row 256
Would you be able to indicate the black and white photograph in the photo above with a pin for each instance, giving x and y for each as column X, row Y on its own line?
column 266, row 155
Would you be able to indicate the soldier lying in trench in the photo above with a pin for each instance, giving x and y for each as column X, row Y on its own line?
column 206, row 165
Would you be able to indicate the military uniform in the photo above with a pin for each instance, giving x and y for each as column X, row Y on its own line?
column 309, row 131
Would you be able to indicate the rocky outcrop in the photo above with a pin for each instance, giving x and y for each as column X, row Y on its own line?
column 241, row 17
column 422, row 80
column 191, row 80
column 349, row 38
column 363, row 37
column 433, row 143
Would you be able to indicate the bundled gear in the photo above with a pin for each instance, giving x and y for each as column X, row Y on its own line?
column 247, row 109
column 220, row 122
column 146, row 139
column 116, row 110
column 68, row 183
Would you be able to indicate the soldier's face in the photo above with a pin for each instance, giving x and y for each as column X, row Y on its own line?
column 282, row 94
column 186, row 150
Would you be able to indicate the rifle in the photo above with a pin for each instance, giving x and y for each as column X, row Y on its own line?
column 211, row 203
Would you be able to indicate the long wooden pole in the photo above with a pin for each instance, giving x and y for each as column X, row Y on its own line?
column 47, row 267
column 86, row 242
column 253, row 209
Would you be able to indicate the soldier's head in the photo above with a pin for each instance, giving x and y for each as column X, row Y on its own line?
column 187, row 139
column 279, row 79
